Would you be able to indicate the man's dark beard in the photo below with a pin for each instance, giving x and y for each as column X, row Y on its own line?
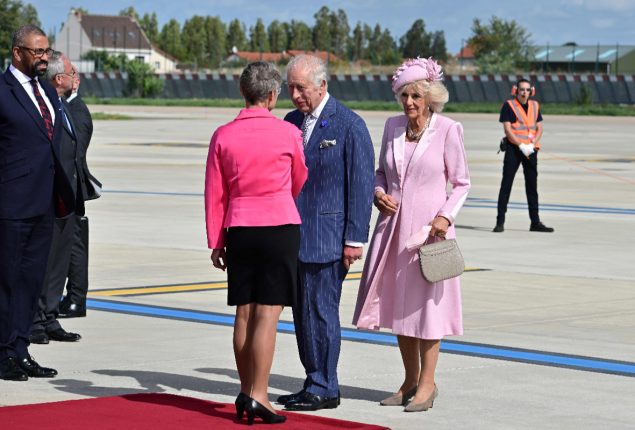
column 36, row 71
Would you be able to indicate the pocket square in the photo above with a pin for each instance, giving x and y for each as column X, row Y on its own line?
column 326, row 143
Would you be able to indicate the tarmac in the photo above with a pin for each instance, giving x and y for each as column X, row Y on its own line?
column 549, row 319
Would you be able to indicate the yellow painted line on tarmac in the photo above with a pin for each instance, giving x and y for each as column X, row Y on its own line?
column 188, row 288
column 137, row 291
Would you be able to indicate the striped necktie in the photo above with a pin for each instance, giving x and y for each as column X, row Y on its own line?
column 44, row 110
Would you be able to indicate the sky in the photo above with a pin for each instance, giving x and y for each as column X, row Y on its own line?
column 554, row 22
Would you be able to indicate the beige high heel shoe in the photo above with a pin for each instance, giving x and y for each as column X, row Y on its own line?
column 418, row 407
column 399, row 399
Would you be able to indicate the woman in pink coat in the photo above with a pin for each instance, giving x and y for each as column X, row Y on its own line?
column 421, row 153
column 255, row 169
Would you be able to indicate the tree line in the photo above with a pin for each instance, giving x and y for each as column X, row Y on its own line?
column 499, row 46
column 207, row 40
column 13, row 14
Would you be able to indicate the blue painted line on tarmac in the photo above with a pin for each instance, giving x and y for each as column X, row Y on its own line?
column 472, row 202
column 543, row 358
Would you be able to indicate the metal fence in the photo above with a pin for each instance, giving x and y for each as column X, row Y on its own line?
column 550, row 88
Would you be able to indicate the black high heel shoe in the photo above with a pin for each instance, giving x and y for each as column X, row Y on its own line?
column 240, row 403
column 255, row 409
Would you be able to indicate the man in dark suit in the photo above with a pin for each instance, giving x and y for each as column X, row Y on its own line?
column 45, row 324
column 33, row 190
column 74, row 303
column 335, row 207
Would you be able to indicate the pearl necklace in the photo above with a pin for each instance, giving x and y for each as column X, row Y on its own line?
column 414, row 136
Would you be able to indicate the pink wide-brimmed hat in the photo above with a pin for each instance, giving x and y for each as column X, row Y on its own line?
column 417, row 69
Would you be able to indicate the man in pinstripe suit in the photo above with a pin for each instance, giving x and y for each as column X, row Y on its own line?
column 335, row 207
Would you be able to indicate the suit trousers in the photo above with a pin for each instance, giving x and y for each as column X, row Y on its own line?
column 24, row 250
column 317, row 324
column 56, row 272
column 513, row 159
column 77, row 285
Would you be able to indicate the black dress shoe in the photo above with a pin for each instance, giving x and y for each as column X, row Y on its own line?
column 39, row 337
column 62, row 335
column 541, row 227
column 312, row 402
column 34, row 370
column 255, row 409
column 11, row 371
column 499, row 228
column 73, row 310
column 286, row 398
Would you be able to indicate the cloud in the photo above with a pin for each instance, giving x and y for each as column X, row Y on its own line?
column 603, row 5
column 602, row 23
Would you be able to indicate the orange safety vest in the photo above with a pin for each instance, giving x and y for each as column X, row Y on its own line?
column 526, row 124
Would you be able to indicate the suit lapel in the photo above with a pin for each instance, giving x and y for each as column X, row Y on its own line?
column 65, row 111
column 25, row 101
column 318, row 131
column 399, row 148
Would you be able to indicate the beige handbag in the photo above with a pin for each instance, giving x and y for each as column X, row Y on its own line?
column 441, row 260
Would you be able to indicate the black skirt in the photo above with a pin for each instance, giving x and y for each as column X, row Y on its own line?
column 262, row 264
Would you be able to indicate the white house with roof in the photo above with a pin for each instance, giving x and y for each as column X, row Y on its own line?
column 114, row 34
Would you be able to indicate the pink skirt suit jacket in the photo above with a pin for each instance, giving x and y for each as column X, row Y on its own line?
column 393, row 294
column 255, row 169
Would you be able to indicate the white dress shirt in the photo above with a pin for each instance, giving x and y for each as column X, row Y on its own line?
column 25, row 81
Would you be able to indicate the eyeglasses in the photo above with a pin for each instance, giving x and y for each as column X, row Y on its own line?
column 524, row 89
column 72, row 75
column 39, row 52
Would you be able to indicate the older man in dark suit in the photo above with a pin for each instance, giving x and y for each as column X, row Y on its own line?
column 45, row 324
column 74, row 303
column 33, row 190
column 335, row 207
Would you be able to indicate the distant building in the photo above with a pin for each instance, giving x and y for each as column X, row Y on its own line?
column 465, row 59
column 571, row 58
column 275, row 57
column 113, row 34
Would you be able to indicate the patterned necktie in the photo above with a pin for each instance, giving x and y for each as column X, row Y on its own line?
column 44, row 110
column 305, row 128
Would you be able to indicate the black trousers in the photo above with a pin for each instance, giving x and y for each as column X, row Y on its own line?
column 77, row 286
column 56, row 272
column 513, row 159
column 24, row 249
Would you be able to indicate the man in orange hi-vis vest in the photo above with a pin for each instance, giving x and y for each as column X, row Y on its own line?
column 522, row 122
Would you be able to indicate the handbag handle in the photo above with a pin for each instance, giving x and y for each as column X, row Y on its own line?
column 425, row 242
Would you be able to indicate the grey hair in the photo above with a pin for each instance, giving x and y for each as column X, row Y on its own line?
column 435, row 93
column 21, row 34
column 55, row 66
column 258, row 80
column 314, row 65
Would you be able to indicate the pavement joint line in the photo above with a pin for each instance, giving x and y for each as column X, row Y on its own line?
column 193, row 287
column 528, row 356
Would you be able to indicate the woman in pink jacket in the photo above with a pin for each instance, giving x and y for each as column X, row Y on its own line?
column 421, row 153
column 255, row 169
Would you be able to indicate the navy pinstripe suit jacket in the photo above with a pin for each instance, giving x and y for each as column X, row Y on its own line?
column 336, row 200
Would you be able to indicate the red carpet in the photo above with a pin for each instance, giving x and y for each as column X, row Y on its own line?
column 150, row 412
